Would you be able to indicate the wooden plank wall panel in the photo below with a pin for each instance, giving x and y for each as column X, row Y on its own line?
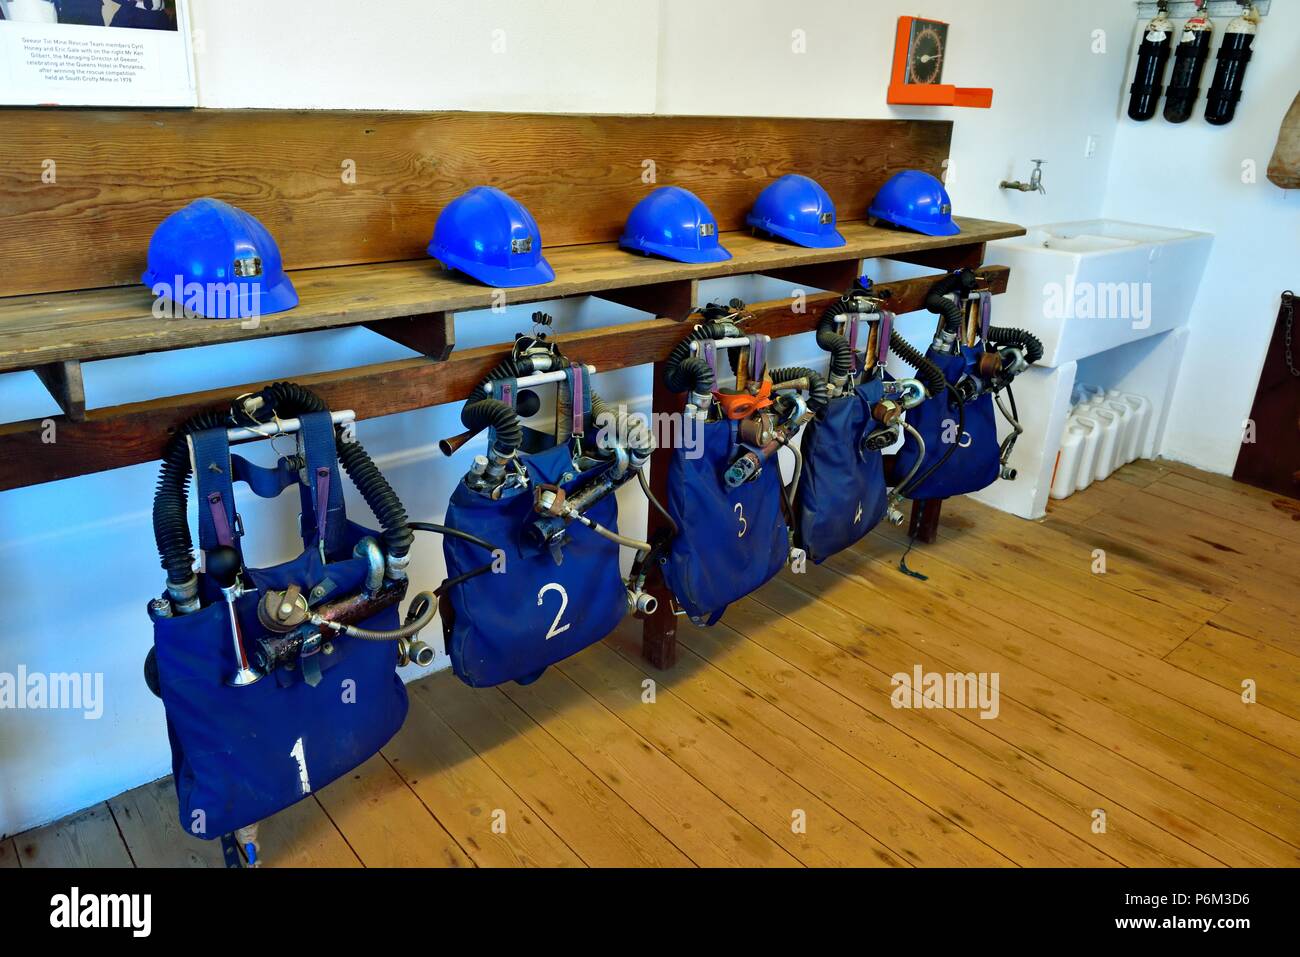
column 119, row 172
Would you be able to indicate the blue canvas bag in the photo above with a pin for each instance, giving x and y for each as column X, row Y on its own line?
column 729, row 542
column 842, row 493
column 511, row 625
column 240, row 754
column 974, row 464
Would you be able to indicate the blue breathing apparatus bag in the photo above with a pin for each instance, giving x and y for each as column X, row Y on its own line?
column 729, row 541
column 969, row 431
column 540, row 605
column 842, row 493
column 240, row 754
column 974, row 463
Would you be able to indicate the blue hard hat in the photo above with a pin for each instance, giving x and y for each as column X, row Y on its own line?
column 219, row 262
column 492, row 237
column 796, row 208
column 672, row 222
column 917, row 201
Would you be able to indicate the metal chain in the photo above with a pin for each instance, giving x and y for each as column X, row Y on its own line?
column 1288, row 306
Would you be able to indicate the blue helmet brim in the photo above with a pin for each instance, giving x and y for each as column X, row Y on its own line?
column 829, row 240
column 935, row 229
column 717, row 254
column 949, row 228
column 279, row 298
column 498, row 277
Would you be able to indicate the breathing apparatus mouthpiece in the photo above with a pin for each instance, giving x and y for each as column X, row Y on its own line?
column 741, row 404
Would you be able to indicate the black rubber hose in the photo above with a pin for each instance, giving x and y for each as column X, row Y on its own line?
column 830, row 339
column 495, row 414
column 689, row 373
column 938, row 301
column 931, row 375
column 819, row 392
column 171, row 525
column 291, row 399
column 1010, row 336
column 692, row 374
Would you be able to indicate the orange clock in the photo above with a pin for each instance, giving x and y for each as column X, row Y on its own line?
column 920, row 49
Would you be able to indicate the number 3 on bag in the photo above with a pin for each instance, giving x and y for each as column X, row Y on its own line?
column 556, row 627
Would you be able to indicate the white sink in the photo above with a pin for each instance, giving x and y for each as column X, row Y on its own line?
column 1087, row 287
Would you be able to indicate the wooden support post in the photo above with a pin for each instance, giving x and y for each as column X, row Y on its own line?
column 924, row 526
column 659, row 631
column 674, row 300
column 432, row 334
column 677, row 302
column 64, row 383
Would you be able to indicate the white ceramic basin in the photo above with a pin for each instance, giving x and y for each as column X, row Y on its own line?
column 1086, row 287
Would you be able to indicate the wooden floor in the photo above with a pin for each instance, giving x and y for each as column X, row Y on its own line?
column 774, row 741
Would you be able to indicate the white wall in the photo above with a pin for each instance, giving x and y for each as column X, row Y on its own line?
column 79, row 553
column 1191, row 175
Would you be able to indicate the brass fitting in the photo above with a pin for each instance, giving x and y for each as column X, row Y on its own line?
column 990, row 365
column 887, row 412
column 283, row 611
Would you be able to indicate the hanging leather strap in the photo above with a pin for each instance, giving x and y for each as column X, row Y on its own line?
column 579, row 386
column 323, row 492
column 757, row 357
column 852, row 330
column 709, row 350
column 883, row 336
column 214, row 482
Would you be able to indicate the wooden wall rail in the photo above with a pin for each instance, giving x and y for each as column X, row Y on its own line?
column 130, row 434
column 82, row 190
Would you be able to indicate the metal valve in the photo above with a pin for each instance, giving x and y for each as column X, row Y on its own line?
column 642, row 603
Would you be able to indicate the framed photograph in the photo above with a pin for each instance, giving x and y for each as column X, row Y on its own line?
column 96, row 53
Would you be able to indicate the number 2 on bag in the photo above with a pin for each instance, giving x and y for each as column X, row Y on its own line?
column 740, row 516
column 299, row 754
column 556, row 627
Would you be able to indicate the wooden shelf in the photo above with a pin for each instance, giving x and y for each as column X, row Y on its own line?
column 38, row 330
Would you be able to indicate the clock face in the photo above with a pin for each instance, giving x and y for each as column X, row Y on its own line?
column 925, row 51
